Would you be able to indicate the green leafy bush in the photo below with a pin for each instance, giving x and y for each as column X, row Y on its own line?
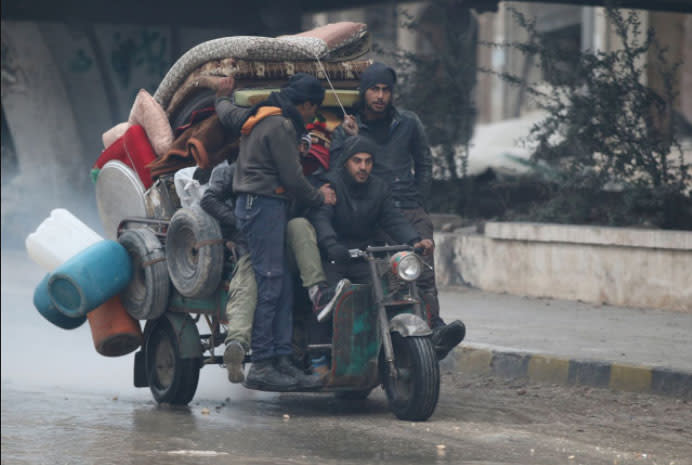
column 609, row 138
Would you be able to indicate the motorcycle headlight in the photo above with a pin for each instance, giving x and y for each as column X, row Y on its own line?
column 406, row 265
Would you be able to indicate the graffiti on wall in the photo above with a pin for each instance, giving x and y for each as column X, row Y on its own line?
column 146, row 51
column 81, row 62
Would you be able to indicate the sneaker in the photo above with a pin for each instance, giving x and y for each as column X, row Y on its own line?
column 233, row 359
column 326, row 299
column 447, row 337
column 264, row 376
column 284, row 365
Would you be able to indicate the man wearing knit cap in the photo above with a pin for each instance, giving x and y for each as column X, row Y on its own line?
column 268, row 174
column 364, row 204
column 403, row 159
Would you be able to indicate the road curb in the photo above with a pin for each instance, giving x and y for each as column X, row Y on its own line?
column 543, row 368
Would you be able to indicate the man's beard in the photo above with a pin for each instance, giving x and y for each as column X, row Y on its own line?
column 378, row 112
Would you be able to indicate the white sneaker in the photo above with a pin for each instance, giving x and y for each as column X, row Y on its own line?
column 338, row 290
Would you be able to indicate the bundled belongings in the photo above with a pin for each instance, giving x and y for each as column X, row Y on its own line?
column 145, row 112
column 318, row 44
column 204, row 144
column 158, row 254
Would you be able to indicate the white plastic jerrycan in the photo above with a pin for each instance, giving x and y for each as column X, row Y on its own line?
column 58, row 238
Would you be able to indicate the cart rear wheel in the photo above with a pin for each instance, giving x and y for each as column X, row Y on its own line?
column 171, row 378
column 413, row 394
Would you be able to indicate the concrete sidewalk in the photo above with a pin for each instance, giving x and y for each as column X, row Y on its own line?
column 566, row 342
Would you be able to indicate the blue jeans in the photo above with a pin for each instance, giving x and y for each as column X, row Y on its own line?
column 262, row 220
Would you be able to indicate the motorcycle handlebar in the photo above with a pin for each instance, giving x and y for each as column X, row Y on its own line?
column 355, row 253
column 388, row 248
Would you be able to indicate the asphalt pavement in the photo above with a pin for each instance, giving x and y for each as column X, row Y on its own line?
column 544, row 340
column 570, row 342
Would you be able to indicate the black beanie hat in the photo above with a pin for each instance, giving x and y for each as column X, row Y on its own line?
column 358, row 144
column 377, row 73
column 303, row 87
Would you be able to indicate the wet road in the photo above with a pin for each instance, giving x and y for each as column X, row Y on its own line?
column 62, row 403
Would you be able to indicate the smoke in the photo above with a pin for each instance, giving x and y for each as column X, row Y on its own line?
column 38, row 355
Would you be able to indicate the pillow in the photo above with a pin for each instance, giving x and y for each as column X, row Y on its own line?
column 147, row 113
column 114, row 134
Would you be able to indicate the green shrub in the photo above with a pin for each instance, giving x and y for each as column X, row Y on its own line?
column 610, row 138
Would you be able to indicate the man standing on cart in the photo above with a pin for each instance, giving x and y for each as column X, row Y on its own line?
column 268, row 174
column 404, row 160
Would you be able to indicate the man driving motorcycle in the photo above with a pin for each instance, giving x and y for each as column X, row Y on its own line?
column 363, row 206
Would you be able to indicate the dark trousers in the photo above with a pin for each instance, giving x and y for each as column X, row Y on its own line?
column 262, row 220
column 421, row 222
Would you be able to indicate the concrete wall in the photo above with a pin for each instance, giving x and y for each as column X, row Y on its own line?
column 617, row 266
column 63, row 85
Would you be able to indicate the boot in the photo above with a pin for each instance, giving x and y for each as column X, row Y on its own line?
column 233, row 359
column 285, row 365
column 447, row 337
column 264, row 376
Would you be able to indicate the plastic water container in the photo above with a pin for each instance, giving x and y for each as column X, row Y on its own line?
column 90, row 278
column 58, row 238
column 46, row 308
column 113, row 330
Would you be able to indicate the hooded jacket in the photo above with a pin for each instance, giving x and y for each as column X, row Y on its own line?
column 360, row 211
column 268, row 161
column 403, row 159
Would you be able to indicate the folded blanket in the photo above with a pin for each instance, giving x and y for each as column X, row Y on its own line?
column 205, row 144
column 207, row 76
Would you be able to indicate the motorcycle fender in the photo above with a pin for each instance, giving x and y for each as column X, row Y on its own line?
column 185, row 329
column 408, row 324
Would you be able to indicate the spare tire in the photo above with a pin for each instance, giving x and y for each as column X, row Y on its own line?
column 146, row 296
column 194, row 252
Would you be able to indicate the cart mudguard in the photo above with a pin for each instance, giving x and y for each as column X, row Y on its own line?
column 408, row 324
column 185, row 330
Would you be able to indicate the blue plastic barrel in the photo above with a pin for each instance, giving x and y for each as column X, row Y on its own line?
column 90, row 278
column 46, row 308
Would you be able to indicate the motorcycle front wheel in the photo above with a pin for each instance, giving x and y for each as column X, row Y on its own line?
column 413, row 393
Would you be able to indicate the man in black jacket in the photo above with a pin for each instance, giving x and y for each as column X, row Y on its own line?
column 364, row 205
column 403, row 159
